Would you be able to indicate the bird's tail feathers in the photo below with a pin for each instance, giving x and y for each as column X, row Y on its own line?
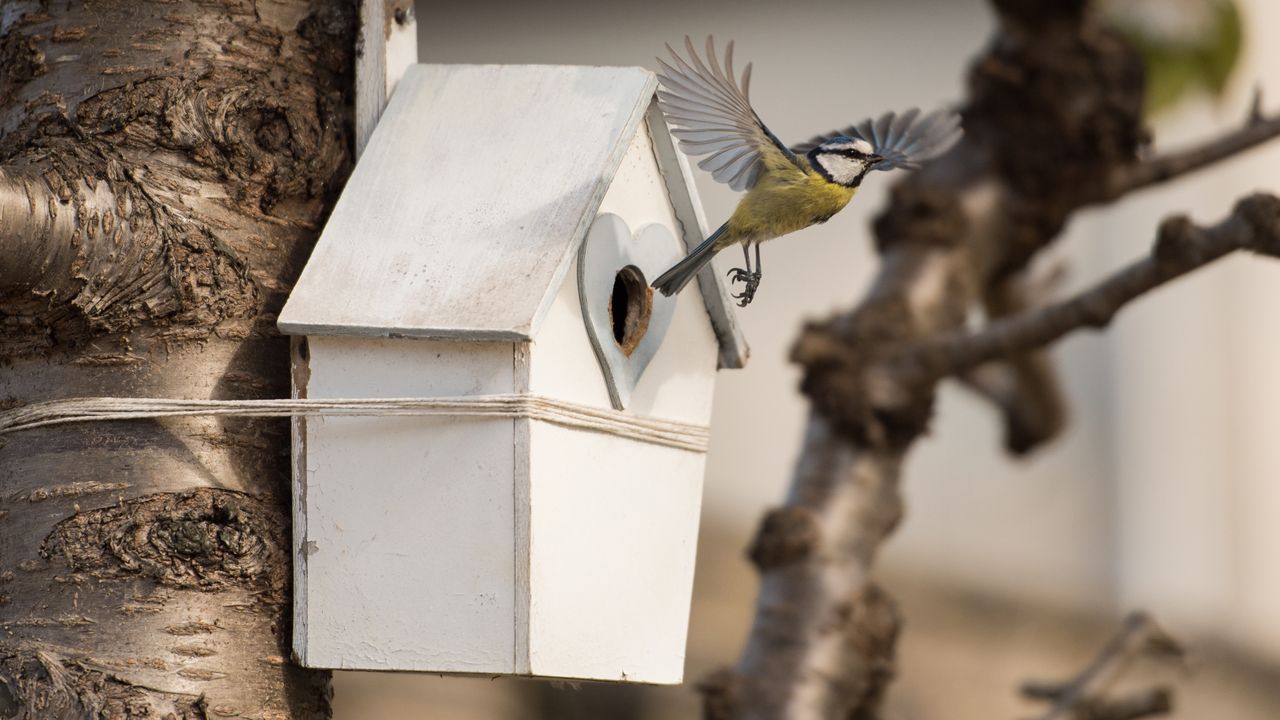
column 674, row 280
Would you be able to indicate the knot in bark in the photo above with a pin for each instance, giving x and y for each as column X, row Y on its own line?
column 848, row 383
column 786, row 535
column 719, row 692
column 921, row 213
column 1058, row 101
column 874, row 622
column 208, row 539
column 1177, row 242
column 1262, row 212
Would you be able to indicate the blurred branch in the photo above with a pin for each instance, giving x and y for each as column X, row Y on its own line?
column 1256, row 130
column 1080, row 697
column 818, row 609
column 1025, row 386
column 1027, row 394
column 1146, row 703
column 1180, row 247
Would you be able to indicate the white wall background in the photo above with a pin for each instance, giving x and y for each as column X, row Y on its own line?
column 1166, row 490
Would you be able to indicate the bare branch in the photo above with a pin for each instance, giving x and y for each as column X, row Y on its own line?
column 1025, row 387
column 1147, row 703
column 1080, row 697
column 823, row 629
column 1256, row 130
column 1180, row 248
column 1118, row 652
column 1028, row 395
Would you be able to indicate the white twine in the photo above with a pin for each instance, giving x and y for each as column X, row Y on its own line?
column 669, row 433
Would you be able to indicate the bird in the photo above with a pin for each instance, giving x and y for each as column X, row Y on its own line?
column 787, row 188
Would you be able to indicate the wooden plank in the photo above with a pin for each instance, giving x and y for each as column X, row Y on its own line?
column 300, row 354
column 467, row 208
column 388, row 46
column 521, row 472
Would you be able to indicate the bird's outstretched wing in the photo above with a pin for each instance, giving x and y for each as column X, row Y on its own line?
column 712, row 116
column 904, row 141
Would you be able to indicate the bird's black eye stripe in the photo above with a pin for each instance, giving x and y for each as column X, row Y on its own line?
column 848, row 153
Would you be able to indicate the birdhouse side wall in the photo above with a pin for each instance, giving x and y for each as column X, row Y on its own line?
column 613, row 535
column 405, row 525
column 613, row 522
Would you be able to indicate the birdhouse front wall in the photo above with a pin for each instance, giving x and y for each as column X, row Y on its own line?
column 614, row 522
column 404, row 527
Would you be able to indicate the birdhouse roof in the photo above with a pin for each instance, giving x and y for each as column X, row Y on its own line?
column 473, row 195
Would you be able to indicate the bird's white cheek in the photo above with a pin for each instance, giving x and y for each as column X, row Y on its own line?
column 842, row 169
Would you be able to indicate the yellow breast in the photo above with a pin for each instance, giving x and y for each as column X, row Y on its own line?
column 782, row 204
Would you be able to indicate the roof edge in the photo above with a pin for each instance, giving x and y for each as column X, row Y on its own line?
column 468, row 334
column 683, row 193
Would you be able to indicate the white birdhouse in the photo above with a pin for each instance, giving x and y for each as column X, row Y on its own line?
column 498, row 237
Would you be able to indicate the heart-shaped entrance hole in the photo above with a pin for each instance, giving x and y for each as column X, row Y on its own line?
column 630, row 306
column 625, row 320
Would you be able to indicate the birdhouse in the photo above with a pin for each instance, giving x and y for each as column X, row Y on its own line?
column 497, row 240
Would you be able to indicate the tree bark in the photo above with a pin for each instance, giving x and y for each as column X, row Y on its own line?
column 164, row 170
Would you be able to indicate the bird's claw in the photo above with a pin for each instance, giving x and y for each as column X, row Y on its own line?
column 751, row 282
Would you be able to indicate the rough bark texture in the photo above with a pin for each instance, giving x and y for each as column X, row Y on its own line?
column 164, row 170
column 1053, row 123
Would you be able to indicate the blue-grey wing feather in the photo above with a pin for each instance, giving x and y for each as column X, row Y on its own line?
column 880, row 135
column 899, row 128
column 712, row 115
column 904, row 141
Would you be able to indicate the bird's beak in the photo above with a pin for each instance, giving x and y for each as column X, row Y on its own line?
column 875, row 159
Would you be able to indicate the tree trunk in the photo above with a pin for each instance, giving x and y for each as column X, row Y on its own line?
column 164, row 170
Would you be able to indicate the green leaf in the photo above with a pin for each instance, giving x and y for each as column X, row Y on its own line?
column 1223, row 52
column 1181, row 63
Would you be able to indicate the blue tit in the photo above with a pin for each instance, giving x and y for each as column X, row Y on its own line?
column 788, row 189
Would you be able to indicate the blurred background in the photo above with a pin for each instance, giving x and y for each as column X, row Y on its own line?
column 1163, row 495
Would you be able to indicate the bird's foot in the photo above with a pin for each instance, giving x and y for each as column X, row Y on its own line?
column 751, row 282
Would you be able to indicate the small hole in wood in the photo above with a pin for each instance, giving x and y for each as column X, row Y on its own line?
column 630, row 306
column 302, row 350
